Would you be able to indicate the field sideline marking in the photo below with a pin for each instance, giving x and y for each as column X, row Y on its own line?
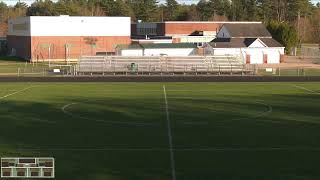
column 16, row 92
column 178, row 149
column 306, row 89
column 173, row 168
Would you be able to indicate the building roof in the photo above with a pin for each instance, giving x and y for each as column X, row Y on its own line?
column 270, row 42
column 247, row 30
column 242, row 42
column 158, row 46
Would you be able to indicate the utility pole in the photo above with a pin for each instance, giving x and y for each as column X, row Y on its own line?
column 161, row 14
column 299, row 27
column 304, row 26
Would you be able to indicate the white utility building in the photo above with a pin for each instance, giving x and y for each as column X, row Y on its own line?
column 252, row 42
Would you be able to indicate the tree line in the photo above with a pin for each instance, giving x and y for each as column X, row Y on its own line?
column 296, row 15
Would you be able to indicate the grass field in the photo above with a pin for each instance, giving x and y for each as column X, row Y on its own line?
column 165, row 131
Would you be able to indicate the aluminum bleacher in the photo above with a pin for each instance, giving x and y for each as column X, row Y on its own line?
column 149, row 65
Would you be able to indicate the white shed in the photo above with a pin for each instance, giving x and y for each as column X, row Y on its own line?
column 251, row 50
column 252, row 42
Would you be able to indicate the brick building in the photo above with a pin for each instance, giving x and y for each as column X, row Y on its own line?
column 41, row 38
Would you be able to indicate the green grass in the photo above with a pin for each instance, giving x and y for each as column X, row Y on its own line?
column 118, row 131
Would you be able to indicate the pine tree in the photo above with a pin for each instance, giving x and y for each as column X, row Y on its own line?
column 265, row 10
column 221, row 7
column 251, row 10
column 205, row 9
column 170, row 9
column 144, row 10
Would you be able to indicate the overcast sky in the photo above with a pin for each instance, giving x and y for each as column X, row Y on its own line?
column 12, row 2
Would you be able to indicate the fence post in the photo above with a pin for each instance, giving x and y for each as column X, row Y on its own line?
column 91, row 69
column 279, row 71
column 18, row 72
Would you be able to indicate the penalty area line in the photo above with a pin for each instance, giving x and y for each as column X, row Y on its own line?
column 173, row 168
column 16, row 92
column 305, row 89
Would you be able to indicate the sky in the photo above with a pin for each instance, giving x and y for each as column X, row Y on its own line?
column 12, row 2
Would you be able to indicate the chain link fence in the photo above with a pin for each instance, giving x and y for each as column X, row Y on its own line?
column 26, row 69
column 287, row 71
column 311, row 52
column 46, row 69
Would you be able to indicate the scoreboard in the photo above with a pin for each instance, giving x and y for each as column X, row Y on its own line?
column 25, row 167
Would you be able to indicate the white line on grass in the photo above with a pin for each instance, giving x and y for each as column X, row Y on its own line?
column 305, row 89
column 16, row 92
column 173, row 168
column 178, row 149
column 256, row 115
column 65, row 111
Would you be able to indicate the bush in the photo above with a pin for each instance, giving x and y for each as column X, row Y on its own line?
column 284, row 33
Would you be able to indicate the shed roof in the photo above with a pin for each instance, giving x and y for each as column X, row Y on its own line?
column 247, row 30
column 270, row 42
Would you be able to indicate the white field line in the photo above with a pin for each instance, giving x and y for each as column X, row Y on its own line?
column 305, row 89
column 171, row 90
column 210, row 149
column 256, row 115
column 16, row 92
column 173, row 168
column 65, row 107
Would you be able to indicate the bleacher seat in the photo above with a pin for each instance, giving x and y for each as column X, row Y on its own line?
column 162, row 64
